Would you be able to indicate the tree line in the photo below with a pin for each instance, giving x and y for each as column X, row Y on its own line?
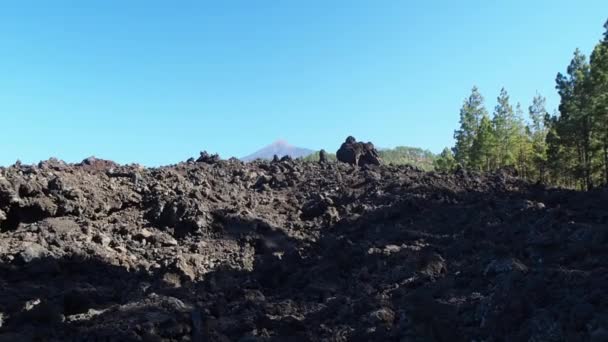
column 568, row 148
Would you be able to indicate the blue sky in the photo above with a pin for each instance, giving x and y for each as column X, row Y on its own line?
column 155, row 82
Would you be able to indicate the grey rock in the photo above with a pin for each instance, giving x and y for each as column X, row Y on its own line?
column 102, row 239
column 33, row 251
column 383, row 315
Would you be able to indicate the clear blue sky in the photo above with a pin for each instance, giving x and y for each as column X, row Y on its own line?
column 155, row 82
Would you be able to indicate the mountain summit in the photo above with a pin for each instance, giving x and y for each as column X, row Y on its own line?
column 280, row 148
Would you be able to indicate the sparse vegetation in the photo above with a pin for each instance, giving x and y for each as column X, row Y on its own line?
column 314, row 157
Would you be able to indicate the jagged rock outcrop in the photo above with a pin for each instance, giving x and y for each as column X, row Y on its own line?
column 208, row 158
column 322, row 157
column 358, row 153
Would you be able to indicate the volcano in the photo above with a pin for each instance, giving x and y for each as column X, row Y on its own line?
column 280, row 148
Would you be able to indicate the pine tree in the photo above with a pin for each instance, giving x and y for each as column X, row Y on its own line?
column 505, row 130
column 555, row 162
column 522, row 142
column 484, row 146
column 470, row 116
column 574, row 125
column 599, row 98
column 538, row 133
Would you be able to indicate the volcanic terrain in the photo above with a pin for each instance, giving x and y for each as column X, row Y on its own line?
column 221, row 250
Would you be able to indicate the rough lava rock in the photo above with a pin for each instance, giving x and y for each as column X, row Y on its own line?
column 220, row 250
column 208, row 158
column 97, row 164
column 358, row 153
column 322, row 157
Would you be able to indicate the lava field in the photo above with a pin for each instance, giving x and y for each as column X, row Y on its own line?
column 221, row 250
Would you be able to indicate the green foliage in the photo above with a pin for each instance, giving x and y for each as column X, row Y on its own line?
column 315, row 157
column 523, row 143
column 599, row 100
column 569, row 148
column 470, row 117
column 560, row 160
column 506, row 131
column 403, row 155
column 507, row 140
column 537, row 131
column 574, row 124
column 445, row 162
column 484, row 146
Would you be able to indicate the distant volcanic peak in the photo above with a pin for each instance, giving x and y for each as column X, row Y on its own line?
column 281, row 148
column 281, row 143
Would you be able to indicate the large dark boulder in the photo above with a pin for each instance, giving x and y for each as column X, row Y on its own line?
column 92, row 163
column 358, row 153
column 208, row 158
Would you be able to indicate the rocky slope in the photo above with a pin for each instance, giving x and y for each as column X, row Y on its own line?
column 294, row 251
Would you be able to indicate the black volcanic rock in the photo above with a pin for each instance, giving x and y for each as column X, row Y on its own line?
column 322, row 156
column 297, row 251
column 358, row 153
column 208, row 158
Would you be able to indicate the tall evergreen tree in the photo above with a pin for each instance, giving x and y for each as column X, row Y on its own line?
column 538, row 133
column 555, row 160
column 470, row 117
column 484, row 146
column 599, row 100
column 575, row 124
column 522, row 143
column 505, row 131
